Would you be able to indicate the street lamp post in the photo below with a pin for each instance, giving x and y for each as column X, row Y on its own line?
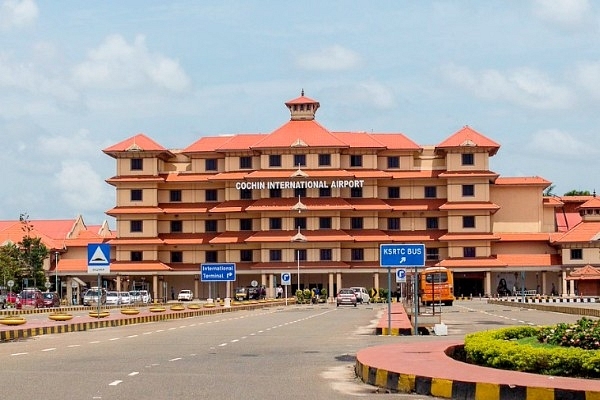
column 56, row 274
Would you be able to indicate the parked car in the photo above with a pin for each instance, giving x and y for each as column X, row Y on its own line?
column 113, row 298
column 185, row 295
column 346, row 297
column 3, row 296
column 145, row 296
column 135, row 296
column 361, row 294
column 51, row 299
column 91, row 296
column 11, row 298
column 125, row 298
column 30, row 298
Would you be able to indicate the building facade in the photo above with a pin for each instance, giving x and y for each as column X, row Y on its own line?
column 318, row 204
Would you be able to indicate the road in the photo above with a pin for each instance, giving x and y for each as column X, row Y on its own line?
column 276, row 353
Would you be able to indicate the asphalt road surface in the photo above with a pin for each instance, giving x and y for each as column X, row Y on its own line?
column 273, row 353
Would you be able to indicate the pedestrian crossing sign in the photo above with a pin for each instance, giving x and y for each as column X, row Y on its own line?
column 98, row 258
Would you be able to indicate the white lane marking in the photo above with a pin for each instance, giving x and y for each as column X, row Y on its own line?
column 223, row 344
column 160, row 330
column 115, row 338
column 172, row 329
column 114, row 383
column 134, row 373
column 235, row 340
column 50, row 349
column 147, row 333
column 132, row 336
column 18, row 354
column 175, row 359
column 74, row 345
column 95, row 341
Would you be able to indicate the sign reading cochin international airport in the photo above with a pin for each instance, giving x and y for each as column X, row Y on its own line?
column 301, row 184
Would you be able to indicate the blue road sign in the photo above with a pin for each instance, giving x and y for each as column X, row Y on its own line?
column 400, row 275
column 215, row 272
column 400, row 255
column 286, row 278
column 98, row 258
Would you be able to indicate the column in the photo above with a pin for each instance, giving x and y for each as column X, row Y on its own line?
column 376, row 284
column 197, row 288
column 572, row 287
column 155, row 287
column 69, row 290
column 487, row 290
column 330, row 290
column 228, row 289
column 563, row 286
column 338, row 279
column 119, row 283
column 271, row 287
column 544, row 283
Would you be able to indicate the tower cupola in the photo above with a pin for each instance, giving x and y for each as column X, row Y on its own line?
column 302, row 108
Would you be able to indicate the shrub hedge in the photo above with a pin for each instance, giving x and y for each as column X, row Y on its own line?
column 500, row 349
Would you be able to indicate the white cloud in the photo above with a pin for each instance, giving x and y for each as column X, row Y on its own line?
column 18, row 13
column 79, row 187
column 374, row 93
column 554, row 141
column 81, row 145
column 116, row 64
column 587, row 75
column 334, row 58
column 566, row 13
column 523, row 86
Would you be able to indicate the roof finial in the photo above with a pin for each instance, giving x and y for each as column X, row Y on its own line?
column 302, row 92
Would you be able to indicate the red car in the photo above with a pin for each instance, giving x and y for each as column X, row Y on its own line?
column 51, row 299
column 30, row 298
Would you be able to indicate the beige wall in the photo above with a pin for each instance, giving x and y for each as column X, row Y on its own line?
column 521, row 208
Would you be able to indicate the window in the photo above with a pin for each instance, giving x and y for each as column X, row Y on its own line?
column 468, row 190
column 432, row 222
column 299, row 160
column 394, row 192
column 356, row 192
column 275, row 193
column 430, row 192
column 300, row 222
column 176, row 256
column 356, row 223
column 275, row 255
column 246, row 194
column 136, row 226
column 301, row 192
column 357, row 254
column 210, row 164
column 275, row 223
column 137, row 256
column 176, row 226
column 275, row 160
column 245, row 162
column 576, row 254
column 136, row 195
column 210, row 225
column 325, row 192
column 300, row 255
column 211, row 256
column 432, row 254
column 468, row 252
column 137, row 164
column 393, row 162
column 246, row 255
column 246, row 224
column 324, row 160
column 468, row 221
column 326, row 255
column 175, row 195
column 468, row 159
column 211, row 194
column 356, row 161
column 324, row 222
column 393, row 224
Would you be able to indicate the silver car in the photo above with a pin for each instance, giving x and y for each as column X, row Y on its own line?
column 113, row 298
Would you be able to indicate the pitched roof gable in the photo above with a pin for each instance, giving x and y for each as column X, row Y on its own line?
column 300, row 134
column 592, row 203
column 137, row 143
column 468, row 137
column 395, row 141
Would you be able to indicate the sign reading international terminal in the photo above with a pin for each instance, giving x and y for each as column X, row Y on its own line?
column 217, row 272
column 300, row 184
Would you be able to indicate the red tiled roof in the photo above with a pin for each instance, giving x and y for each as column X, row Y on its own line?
column 415, row 174
column 415, row 236
column 140, row 178
column 591, row 203
column 467, row 174
column 524, row 237
column 241, row 142
column 368, row 235
column 135, row 241
column 566, row 220
column 228, row 176
column 52, row 233
column 206, row 144
column 479, row 262
column 585, row 273
column 549, row 200
column 232, row 237
column 466, row 205
column 273, row 204
column 367, row 204
column 304, row 265
column 139, row 142
column 530, row 260
column 309, row 132
column 524, row 180
column 358, row 139
column 468, row 137
column 328, row 235
column 469, row 236
column 133, row 210
column 395, row 141
column 231, row 206
column 583, row 232
column 186, row 208
column 375, row 173
column 186, row 238
column 186, row 177
column 139, row 266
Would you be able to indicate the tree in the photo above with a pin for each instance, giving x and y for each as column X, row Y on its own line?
column 32, row 253
column 550, row 190
column 10, row 266
column 578, row 193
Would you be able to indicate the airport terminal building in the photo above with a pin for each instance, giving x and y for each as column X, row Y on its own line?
column 304, row 199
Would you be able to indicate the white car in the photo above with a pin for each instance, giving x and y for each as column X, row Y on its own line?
column 361, row 294
column 125, row 298
column 113, row 298
column 185, row 295
column 146, row 298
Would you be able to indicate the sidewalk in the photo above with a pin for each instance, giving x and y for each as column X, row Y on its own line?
column 425, row 368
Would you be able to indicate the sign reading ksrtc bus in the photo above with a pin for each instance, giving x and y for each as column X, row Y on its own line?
column 399, row 255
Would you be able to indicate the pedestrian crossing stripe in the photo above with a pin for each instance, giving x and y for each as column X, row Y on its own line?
column 98, row 254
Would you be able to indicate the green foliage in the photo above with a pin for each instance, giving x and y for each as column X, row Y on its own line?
column 578, row 193
column 585, row 334
column 32, row 253
column 502, row 349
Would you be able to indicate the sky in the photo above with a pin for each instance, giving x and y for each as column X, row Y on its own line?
column 78, row 76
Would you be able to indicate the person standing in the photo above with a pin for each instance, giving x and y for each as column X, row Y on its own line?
column 172, row 293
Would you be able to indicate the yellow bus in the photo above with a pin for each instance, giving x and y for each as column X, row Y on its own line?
column 436, row 286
